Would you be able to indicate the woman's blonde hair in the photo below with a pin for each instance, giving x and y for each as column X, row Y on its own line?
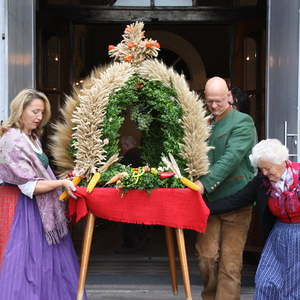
column 17, row 106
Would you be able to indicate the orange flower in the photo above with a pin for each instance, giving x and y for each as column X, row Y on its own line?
column 128, row 29
column 111, row 47
column 128, row 58
column 130, row 44
column 157, row 45
column 148, row 44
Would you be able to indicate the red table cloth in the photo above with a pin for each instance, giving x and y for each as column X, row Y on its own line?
column 179, row 208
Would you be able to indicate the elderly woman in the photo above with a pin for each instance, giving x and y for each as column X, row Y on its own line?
column 276, row 191
column 37, row 258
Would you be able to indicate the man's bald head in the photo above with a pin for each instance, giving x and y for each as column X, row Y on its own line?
column 216, row 86
column 217, row 95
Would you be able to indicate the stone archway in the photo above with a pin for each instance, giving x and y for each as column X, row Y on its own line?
column 187, row 52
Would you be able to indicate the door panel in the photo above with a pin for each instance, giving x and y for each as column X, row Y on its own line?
column 53, row 63
column 282, row 72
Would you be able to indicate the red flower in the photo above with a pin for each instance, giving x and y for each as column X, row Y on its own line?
column 157, row 45
column 148, row 44
column 70, row 175
column 128, row 58
column 130, row 44
column 111, row 47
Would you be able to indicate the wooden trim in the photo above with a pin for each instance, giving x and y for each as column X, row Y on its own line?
column 95, row 14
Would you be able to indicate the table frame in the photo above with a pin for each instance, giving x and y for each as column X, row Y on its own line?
column 86, row 249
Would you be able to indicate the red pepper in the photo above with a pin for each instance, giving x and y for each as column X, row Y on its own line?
column 163, row 175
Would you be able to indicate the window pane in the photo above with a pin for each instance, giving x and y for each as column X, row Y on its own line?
column 132, row 3
column 173, row 2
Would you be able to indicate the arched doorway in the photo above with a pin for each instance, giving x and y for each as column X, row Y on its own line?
column 186, row 53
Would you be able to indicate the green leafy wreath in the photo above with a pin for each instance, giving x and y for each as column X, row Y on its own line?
column 156, row 114
column 170, row 116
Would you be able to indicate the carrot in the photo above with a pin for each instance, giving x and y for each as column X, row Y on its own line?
column 117, row 177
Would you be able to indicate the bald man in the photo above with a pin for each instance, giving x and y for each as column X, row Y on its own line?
column 220, row 249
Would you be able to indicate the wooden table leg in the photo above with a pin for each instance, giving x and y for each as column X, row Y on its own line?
column 183, row 262
column 171, row 256
column 87, row 241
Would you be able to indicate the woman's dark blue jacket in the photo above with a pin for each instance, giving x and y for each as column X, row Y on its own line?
column 255, row 192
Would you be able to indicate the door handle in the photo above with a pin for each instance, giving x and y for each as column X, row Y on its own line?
column 287, row 135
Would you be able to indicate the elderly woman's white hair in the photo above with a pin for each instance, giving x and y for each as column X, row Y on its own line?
column 270, row 150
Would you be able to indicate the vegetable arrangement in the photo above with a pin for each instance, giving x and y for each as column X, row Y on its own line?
column 144, row 178
column 126, row 178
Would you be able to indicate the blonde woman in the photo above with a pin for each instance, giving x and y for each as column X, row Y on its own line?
column 37, row 258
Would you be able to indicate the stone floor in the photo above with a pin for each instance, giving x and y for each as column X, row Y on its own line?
column 130, row 277
column 142, row 275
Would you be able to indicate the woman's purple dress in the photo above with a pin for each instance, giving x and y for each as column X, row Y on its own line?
column 31, row 268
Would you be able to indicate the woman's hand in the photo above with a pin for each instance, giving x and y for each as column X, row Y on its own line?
column 69, row 187
column 199, row 183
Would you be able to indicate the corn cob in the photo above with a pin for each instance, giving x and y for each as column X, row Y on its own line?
column 93, row 182
column 76, row 180
column 193, row 186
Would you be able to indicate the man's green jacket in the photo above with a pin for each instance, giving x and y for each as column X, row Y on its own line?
column 230, row 170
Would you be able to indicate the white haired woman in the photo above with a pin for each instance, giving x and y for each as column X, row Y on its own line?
column 276, row 191
column 37, row 258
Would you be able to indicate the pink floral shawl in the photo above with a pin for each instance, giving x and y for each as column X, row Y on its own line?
column 18, row 165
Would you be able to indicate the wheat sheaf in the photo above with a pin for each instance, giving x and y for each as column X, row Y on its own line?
column 84, row 111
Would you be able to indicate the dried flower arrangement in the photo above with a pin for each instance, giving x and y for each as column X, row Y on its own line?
column 170, row 116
